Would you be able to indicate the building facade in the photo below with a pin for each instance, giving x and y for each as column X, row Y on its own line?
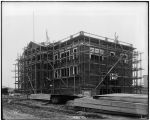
column 81, row 64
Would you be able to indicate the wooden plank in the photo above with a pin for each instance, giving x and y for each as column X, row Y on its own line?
column 111, row 108
column 93, row 101
column 40, row 96
column 136, row 104
column 112, row 103
column 128, row 99
column 129, row 105
column 123, row 95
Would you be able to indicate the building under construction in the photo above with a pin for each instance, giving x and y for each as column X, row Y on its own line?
column 82, row 63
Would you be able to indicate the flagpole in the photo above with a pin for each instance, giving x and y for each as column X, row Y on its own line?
column 33, row 28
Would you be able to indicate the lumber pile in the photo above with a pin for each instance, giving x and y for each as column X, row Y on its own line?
column 121, row 103
column 40, row 96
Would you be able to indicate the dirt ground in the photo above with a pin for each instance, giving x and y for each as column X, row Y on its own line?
column 21, row 108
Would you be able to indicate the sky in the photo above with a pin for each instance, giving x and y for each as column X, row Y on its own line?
column 62, row 19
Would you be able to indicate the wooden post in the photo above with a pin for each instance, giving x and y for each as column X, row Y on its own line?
column 15, row 76
column 74, row 71
column 35, row 80
column 18, row 76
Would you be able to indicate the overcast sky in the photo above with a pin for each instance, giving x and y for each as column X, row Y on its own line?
column 62, row 19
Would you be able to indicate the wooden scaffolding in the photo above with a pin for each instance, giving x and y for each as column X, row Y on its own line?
column 81, row 62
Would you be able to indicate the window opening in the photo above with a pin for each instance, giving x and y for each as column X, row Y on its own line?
column 101, row 51
column 91, row 49
column 62, row 54
column 75, row 70
column 74, row 53
column 113, row 76
column 101, row 58
column 68, row 72
column 63, row 72
column 56, row 74
column 68, row 54
column 56, row 57
column 112, row 53
column 96, row 50
column 125, row 56
column 96, row 58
